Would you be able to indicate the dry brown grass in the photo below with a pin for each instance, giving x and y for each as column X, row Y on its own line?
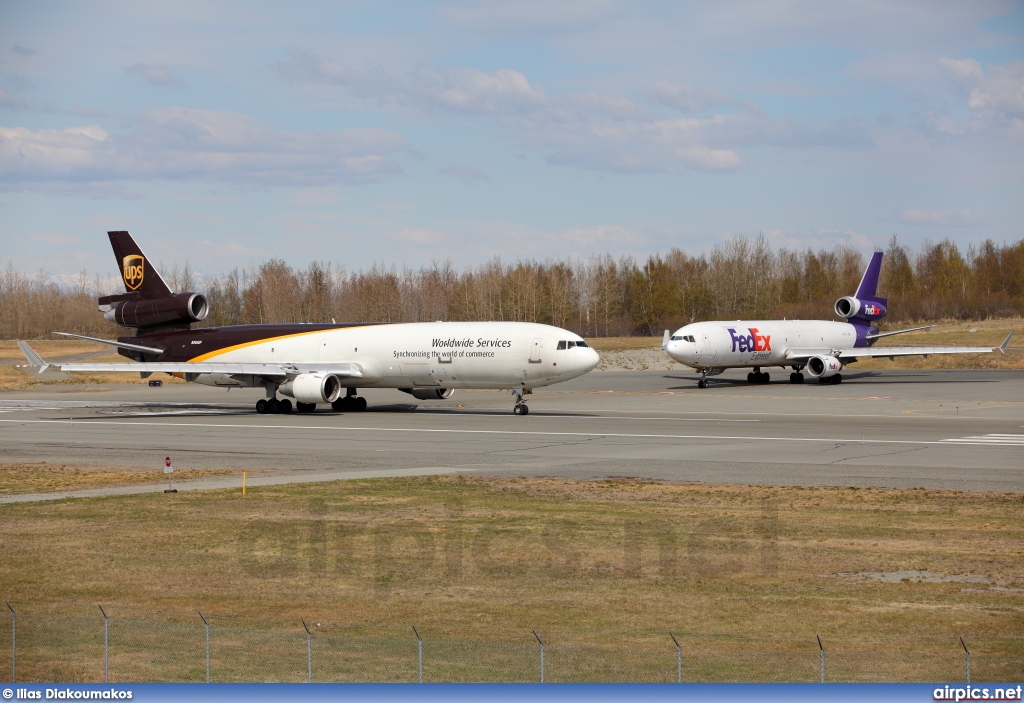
column 487, row 557
column 41, row 477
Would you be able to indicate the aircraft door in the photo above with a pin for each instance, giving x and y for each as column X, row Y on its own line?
column 535, row 349
column 708, row 352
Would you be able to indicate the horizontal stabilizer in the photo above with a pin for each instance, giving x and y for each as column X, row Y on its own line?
column 112, row 343
column 889, row 334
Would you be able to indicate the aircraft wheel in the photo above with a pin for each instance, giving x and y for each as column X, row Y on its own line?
column 261, row 406
column 305, row 407
column 837, row 379
column 824, row 381
column 286, row 406
column 765, row 377
column 702, row 383
column 750, row 378
column 521, row 409
column 339, row 405
column 273, row 406
column 359, row 404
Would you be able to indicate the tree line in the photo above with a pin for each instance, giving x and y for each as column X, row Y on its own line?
column 744, row 278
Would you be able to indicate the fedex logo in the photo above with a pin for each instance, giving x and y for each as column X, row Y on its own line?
column 870, row 309
column 752, row 342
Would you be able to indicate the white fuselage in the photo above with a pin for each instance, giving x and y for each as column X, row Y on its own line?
column 754, row 343
column 482, row 355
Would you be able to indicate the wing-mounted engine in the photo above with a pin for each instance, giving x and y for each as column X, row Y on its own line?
column 823, row 366
column 867, row 310
column 429, row 393
column 176, row 309
column 313, row 388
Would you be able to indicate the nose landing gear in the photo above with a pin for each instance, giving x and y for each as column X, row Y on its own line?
column 521, row 408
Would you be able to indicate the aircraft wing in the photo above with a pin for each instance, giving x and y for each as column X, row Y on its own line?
column 341, row 369
column 855, row 352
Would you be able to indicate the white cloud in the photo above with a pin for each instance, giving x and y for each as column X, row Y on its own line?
column 995, row 94
column 465, row 173
column 183, row 143
column 155, row 75
column 418, row 235
column 940, row 218
column 10, row 101
column 471, row 91
column 688, row 98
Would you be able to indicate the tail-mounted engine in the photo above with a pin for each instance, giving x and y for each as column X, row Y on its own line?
column 823, row 366
column 429, row 393
column 177, row 309
column 863, row 310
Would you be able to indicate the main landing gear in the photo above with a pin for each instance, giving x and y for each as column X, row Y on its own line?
column 796, row 376
column 521, row 408
column 273, row 406
column 349, row 403
column 757, row 377
column 833, row 380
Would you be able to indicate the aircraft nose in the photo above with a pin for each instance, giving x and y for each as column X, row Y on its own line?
column 593, row 359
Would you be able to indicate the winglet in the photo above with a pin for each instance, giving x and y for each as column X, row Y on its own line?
column 33, row 358
column 1006, row 343
column 664, row 340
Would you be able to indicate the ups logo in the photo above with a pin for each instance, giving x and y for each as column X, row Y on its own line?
column 131, row 271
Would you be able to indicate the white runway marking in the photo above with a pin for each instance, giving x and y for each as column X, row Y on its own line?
column 1012, row 440
column 981, row 441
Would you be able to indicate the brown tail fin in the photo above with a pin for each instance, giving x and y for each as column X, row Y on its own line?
column 138, row 273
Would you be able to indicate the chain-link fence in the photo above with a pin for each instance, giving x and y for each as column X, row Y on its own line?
column 56, row 648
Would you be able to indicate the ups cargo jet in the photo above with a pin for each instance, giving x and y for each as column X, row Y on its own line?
column 821, row 347
column 322, row 363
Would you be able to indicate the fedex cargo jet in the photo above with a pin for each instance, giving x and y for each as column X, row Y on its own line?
column 322, row 363
column 821, row 347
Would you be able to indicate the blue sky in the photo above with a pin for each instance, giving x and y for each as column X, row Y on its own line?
column 402, row 133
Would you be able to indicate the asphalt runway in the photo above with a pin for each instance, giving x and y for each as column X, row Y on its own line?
column 933, row 429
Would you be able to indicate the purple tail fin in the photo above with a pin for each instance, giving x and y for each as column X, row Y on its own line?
column 868, row 287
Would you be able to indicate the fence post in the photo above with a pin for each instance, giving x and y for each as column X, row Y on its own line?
column 309, row 652
column 541, row 654
column 967, row 658
column 679, row 658
column 14, row 643
column 106, row 645
column 207, row 624
column 419, row 650
column 821, row 660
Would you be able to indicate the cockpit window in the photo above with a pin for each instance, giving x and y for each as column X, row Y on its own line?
column 581, row 343
column 676, row 338
column 561, row 345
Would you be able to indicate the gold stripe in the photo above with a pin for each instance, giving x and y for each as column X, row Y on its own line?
column 210, row 355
